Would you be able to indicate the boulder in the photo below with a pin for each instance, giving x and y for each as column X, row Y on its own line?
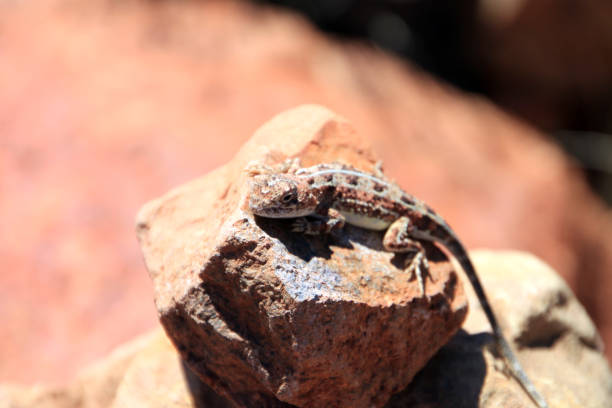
column 555, row 340
column 268, row 317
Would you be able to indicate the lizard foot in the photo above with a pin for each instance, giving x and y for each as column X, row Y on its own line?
column 299, row 225
column 316, row 225
column 419, row 267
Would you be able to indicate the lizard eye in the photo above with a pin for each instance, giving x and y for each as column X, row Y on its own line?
column 287, row 198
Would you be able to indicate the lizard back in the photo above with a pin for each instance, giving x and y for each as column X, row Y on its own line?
column 374, row 203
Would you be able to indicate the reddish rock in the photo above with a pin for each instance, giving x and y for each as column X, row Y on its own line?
column 104, row 105
column 264, row 315
column 555, row 341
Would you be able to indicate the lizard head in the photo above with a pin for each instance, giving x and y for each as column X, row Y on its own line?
column 280, row 196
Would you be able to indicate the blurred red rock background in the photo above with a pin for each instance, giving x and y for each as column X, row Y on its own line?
column 105, row 105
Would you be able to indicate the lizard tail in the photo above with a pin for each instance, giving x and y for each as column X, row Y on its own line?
column 503, row 347
column 518, row 373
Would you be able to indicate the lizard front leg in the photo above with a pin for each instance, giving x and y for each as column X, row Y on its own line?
column 397, row 239
column 319, row 224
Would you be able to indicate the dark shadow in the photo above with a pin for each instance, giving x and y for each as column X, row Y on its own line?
column 452, row 378
column 304, row 246
column 203, row 396
column 309, row 246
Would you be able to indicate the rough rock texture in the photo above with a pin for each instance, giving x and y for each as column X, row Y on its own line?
column 556, row 341
column 106, row 104
column 564, row 361
column 263, row 314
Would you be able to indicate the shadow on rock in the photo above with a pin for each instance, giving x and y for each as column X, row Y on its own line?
column 454, row 377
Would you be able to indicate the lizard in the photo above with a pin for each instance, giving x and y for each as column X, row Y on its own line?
column 322, row 198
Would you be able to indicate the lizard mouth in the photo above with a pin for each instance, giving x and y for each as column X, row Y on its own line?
column 281, row 214
column 277, row 211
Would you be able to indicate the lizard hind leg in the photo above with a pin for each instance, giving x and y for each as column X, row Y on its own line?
column 397, row 239
column 419, row 267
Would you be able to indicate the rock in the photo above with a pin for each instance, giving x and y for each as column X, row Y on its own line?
column 145, row 372
column 555, row 341
column 564, row 361
column 157, row 377
column 90, row 132
column 535, row 306
column 268, row 317
column 95, row 386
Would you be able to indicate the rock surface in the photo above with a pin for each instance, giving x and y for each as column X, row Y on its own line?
column 264, row 315
column 145, row 372
column 564, row 362
column 106, row 104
